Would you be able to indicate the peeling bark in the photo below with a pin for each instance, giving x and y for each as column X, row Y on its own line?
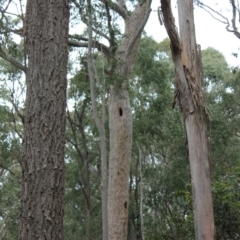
column 189, row 91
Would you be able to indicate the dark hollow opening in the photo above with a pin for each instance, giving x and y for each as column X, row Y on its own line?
column 120, row 112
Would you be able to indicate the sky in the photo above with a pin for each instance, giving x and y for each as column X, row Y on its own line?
column 209, row 32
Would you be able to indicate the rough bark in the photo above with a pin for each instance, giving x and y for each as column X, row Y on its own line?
column 42, row 192
column 192, row 102
column 120, row 123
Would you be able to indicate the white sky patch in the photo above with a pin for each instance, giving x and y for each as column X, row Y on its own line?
column 209, row 32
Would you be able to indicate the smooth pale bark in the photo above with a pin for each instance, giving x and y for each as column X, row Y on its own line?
column 141, row 192
column 120, row 124
column 46, row 29
column 191, row 96
column 100, row 123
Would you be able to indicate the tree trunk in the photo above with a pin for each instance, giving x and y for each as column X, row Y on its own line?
column 44, row 129
column 100, row 123
column 120, row 124
column 141, row 192
column 191, row 96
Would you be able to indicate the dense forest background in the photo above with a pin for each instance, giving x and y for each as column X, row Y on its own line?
column 160, row 181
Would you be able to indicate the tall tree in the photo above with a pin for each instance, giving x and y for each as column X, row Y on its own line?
column 121, row 57
column 120, row 116
column 190, row 92
column 46, row 31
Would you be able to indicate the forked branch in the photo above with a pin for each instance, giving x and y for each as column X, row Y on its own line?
column 231, row 27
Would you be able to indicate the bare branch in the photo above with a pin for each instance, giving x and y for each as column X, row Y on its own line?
column 15, row 126
column 110, row 29
column 101, row 34
column 211, row 11
column 101, row 47
column 74, row 141
column 17, row 110
column 234, row 12
column 118, row 8
column 137, row 33
column 91, row 69
column 16, row 31
column 7, row 6
column 12, row 60
column 13, row 14
column 9, row 170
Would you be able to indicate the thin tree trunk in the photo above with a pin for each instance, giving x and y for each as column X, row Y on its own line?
column 88, row 223
column 104, row 183
column 88, row 198
column 42, row 192
column 100, row 123
column 192, row 101
column 141, row 191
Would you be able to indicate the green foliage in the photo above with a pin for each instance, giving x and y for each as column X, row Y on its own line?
column 158, row 134
column 224, row 104
column 215, row 67
column 10, row 173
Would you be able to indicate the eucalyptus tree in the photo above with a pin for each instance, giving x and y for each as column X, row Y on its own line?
column 120, row 119
column 190, row 93
column 121, row 55
column 46, row 32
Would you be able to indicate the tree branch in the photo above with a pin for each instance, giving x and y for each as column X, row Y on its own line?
column 74, row 141
column 226, row 22
column 101, row 47
column 137, row 33
column 17, row 111
column 234, row 12
column 91, row 69
column 5, row 168
column 110, row 29
column 12, row 60
column 121, row 8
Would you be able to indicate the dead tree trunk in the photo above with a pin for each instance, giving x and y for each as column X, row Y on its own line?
column 44, row 128
column 189, row 91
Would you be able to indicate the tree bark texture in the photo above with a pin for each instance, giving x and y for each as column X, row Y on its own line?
column 120, row 124
column 189, row 91
column 46, row 31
